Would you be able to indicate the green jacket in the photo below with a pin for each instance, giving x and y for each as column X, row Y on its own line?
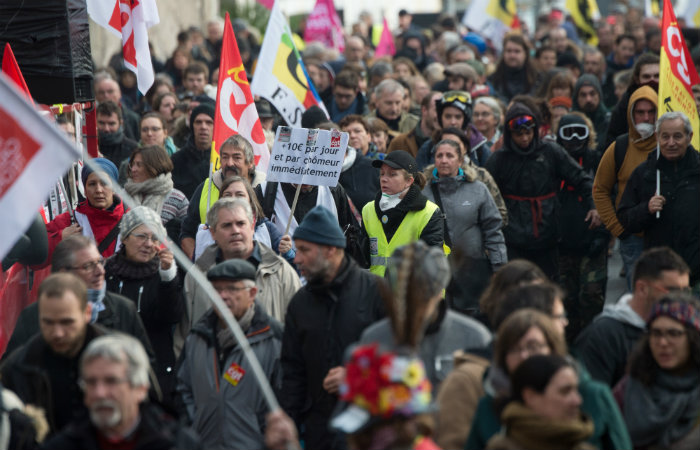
column 598, row 402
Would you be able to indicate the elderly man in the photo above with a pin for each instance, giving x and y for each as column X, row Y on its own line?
column 191, row 163
column 669, row 215
column 414, row 139
column 232, row 226
column 389, row 95
column 78, row 255
column 114, row 379
column 237, row 158
column 323, row 319
column 107, row 89
column 212, row 353
column 43, row 372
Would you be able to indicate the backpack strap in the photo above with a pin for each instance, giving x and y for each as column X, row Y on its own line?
column 111, row 236
column 621, row 143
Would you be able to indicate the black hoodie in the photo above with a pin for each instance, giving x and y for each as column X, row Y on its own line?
column 529, row 180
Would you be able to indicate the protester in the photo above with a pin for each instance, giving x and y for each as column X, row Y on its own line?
column 150, row 184
column 229, row 412
column 147, row 275
column 667, row 185
column 114, row 379
column 604, row 346
column 165, row 105
column 488, row 118
column 191, row 163
column 111, row 141
column 406, row 214
column 98, row 216
column 389, row 96
column 359, row 178
column 347, row 98
column 323, row 319
column 514, row 74
column 107, row 90
column 588, row 98
column 379, row 134
column 154, row 131
column 660, row 396
column 412, row 140
column 359, row 136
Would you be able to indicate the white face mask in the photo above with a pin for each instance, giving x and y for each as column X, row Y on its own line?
column 389, row 201
column 645, row 130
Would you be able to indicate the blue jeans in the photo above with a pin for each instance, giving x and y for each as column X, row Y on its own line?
column 630, row 249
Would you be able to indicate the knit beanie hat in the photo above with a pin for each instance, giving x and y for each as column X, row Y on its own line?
column 141, row 215
column 312, row 117
column 202, row 108
column 106, row 166
column 320, row 226
column 680, row 307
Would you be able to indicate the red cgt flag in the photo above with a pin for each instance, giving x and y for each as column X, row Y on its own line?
column 235, row 106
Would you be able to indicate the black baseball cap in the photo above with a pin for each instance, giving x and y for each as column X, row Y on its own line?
column 398, row 159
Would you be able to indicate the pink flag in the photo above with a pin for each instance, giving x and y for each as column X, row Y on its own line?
column 323, row 25
column 129, row 20
column 386, row 43
column 267, row 3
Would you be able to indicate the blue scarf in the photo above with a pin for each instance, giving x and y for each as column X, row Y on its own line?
column 96, row 298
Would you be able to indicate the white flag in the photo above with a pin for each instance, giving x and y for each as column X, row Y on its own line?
column 34, row 154
column 690, row 11
column 130, row 21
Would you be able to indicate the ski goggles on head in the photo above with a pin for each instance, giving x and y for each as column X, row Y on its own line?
column 521, row 123
column 462, row 97
column 574, row 131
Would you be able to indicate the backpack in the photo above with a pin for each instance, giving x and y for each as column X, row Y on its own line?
column 621, row 143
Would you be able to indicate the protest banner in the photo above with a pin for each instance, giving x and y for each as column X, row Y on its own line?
column 302, row 156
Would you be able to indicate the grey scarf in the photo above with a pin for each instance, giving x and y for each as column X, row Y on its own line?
column 151, row 193
column 664, row 412
column 225, row 336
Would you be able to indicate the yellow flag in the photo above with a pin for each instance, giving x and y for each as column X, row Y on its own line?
column 677, row 73
column 585, row 13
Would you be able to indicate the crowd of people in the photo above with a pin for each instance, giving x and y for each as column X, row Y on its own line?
column 449, row 292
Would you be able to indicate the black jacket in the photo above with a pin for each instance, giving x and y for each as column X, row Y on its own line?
column 321, row 322
column 156, row 431
column 529, row 180
column 29, row 372
column 160, row 306
column 190, row 168
column 575, row 237
column 119, row 151
column 361, row 181
column 679, row 223
column 119, row 315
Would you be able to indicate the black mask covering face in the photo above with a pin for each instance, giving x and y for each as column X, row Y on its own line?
column 110, row 139
column 573, row 134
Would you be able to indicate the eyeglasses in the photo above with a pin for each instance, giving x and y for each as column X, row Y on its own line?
column 670, row 334
column 231, row 289
column 91, row 383
column 141, row 238
column 151, row 129
column 463, row 97
column 482, row 114
column 521, row 123
column 573, row 131
column 90, row 266
column 532, row 348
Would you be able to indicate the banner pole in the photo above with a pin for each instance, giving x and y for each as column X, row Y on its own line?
column 294, row 206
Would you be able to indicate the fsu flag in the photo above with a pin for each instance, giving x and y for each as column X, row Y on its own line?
column 386, row 42
column 129, row 20
column 585, row 14
column 235, row 106
column 33, row 155
column 280, row 76
column 11, row 69
column 323, row 25
column 677, row 72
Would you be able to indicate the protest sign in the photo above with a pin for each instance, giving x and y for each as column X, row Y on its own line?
column 303, row 156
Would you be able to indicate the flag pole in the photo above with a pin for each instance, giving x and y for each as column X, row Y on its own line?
column 211, row 176
column 294, row 207
column 658, row 176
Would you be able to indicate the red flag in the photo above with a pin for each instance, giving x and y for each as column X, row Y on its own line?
column 267, row 3
column 386, row 42
column 323, row 25
column 11, row 69
column 235, row 106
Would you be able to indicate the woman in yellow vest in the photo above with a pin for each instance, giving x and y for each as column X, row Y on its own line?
column 400, row 214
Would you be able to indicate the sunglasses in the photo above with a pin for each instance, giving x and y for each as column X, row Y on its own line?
column 573, row 131
column 461, row 97
column 521, row 123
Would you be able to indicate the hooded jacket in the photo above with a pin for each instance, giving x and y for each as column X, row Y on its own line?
column 190, row 167
column 529, row 180
column 224, row 413
column 601, row 116
column 606, row 343
column 606, row 178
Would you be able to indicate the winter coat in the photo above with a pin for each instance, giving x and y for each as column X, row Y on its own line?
column 101, row 221
column 360, row 180
column 601, row 116
column 228, row 412
column 473, row 221
column 410, row 141
column 30, row 371
column 679, row 223
column 529, row 180
column 155, row 431
column 605, row 345
column 576, row 237
column 608, row 175
column 156, row 294
column 190, row 167
column 479, row 152
column 119, row 315
column 457, row 399
column 322, row 321
column 118, row 151
column 405, row 123
column 450, row 332
column 609, row 432
column 275, row 279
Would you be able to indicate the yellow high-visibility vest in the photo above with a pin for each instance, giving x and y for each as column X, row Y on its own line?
column 203, row 199
column 409, row 231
